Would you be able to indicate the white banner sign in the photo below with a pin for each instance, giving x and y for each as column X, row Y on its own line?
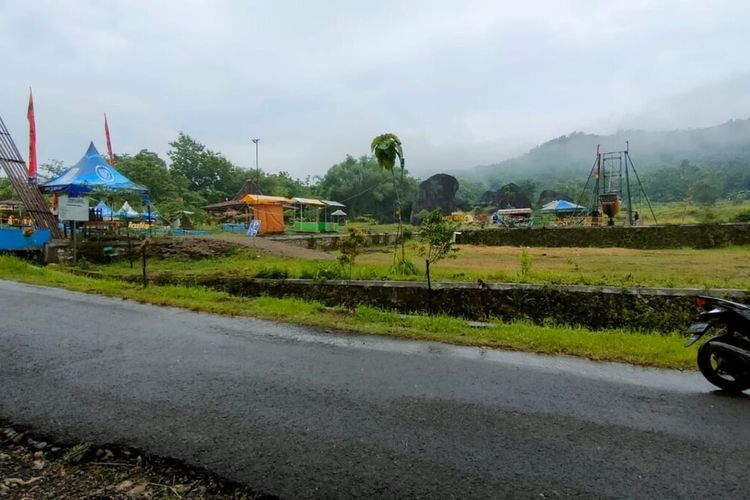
column 75, row 209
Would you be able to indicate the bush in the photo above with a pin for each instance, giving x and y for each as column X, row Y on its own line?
column 365, row 219
column 743, row 216
column 272, row 273
column 324, row 272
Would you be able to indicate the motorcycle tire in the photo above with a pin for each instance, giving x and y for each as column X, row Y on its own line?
column 737, row 383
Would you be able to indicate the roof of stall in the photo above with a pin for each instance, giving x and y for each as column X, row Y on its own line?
column 260, row 199
column 308, row 201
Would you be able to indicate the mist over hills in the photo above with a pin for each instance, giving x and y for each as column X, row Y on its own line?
column 570, row 157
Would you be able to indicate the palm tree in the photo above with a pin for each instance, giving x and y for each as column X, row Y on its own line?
column 387, row 148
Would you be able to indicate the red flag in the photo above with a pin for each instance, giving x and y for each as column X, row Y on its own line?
column 109, row 142
column 32, row 139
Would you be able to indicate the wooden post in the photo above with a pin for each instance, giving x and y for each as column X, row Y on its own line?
column 429, row 286
column 130, row 243
column 143, row 257
column 73, row 236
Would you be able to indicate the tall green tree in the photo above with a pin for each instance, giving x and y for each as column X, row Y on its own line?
column 387, row 149
column 209, row 173
column 365, row 189
column 147, row 169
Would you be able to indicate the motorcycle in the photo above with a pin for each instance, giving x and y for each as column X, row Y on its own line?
column 725, row 358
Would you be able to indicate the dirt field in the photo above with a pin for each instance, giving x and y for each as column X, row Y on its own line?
column 201, row 247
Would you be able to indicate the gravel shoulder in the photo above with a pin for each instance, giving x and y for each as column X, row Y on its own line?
column 33, row 467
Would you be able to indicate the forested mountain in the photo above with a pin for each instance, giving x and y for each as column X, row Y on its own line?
column 571, row 156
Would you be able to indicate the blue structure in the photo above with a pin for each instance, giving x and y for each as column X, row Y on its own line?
column 563, row 207
column 16, row 239
column 91, row 173
column 104, row 209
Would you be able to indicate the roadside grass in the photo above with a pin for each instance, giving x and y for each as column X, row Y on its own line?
column 649, row 349
column 681, row 268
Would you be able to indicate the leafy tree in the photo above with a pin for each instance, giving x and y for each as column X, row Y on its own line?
column 436, row 240
column 209, row 173
column 350, row 247
column 705, row 192
column 470, row 192
column 365, row 189
column 6, row 190
column 282, row 184
column 52, row 168
column 147, row 169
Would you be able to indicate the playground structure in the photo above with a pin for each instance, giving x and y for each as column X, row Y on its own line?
column 30, row 195
column 611, row 173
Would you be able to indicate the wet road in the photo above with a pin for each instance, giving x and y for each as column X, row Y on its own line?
column 301, row 413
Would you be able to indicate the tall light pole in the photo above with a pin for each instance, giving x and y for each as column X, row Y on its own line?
column 257, row 168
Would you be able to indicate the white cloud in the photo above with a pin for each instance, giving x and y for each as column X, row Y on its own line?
column 461, row 83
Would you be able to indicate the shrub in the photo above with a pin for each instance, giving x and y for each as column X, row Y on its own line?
column 526, row 261
column 272, row 273
column 743, row 216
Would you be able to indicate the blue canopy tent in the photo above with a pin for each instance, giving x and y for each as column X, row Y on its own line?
column 563, row 207
column 91, row 173
column 103, row 209
column 127, row 212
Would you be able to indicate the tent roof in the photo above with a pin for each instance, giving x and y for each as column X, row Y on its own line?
column 92, row 172
column 339, row 213
column 515, row 211
column 259, row 199
column 562, row 206
column 127, row 210
column 249, row 187
column 308, row 201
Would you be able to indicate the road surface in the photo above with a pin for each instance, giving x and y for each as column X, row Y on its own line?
column 302, row 413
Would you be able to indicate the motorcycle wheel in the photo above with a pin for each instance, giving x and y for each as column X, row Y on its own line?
column 722, row 371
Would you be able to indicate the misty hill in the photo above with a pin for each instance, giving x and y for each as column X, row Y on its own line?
column 571, row 156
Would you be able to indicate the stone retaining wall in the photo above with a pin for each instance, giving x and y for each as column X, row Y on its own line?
column 668, row 236
column 638, row 309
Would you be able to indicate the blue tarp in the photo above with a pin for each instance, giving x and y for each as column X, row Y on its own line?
column 91, row 173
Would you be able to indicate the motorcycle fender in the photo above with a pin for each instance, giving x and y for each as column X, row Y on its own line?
column 697, row 330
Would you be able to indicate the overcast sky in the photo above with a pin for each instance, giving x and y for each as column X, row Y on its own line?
column 461, row 82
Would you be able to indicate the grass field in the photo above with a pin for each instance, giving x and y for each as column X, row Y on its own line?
column 613, row 345
column 688, row 268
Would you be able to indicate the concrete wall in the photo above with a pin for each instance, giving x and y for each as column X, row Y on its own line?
column 639, row 309
column 669, row 236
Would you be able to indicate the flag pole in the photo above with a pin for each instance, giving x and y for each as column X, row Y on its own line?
column 32, row 139
column 109, row 141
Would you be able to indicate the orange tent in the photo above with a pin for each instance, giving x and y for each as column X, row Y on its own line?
column 271, row 217
column 269, row 210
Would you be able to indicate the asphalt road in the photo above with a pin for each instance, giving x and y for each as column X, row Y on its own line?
column 303, row 413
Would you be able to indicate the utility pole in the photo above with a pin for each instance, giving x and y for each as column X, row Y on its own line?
column 257, row 168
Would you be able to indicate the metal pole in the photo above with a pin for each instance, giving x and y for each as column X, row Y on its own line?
column 257, row 168
column 627, row 184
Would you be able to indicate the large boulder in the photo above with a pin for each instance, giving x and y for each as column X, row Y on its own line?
column 437, row 192
column 508, row 196
column 549, row 195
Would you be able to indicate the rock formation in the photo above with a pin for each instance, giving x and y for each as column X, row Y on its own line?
column 437, row 192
